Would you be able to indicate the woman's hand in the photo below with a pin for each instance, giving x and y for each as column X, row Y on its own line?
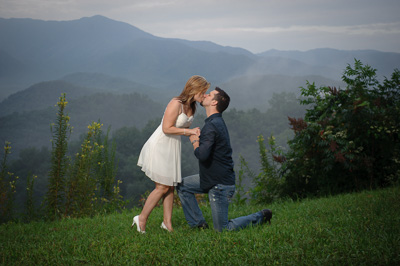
column 193, row 131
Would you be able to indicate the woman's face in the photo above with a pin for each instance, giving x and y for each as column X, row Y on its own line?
column 199, row 96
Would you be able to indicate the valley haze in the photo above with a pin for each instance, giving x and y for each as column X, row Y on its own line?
column 84, row 57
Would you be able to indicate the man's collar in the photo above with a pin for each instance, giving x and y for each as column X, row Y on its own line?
column 212, row 116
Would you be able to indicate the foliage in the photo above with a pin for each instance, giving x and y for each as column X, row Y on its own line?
column 268, row 183
column 240, row 194
column 125, row 144
column 91, row 177
column 348, row 139
column 83, row 186
column 7, row 188
column 30, row 210
column 31, row 128
column 55, row 198
column 82, row 176
column 349, row 229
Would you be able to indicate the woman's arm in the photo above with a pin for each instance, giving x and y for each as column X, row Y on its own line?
column 171, row 114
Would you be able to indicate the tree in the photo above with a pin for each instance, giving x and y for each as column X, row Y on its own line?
column 348, row 139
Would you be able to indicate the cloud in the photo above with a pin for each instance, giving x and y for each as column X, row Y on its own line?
column 251, row 24
column 369, row 29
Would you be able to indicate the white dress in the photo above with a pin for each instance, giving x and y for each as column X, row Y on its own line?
column 160, row 157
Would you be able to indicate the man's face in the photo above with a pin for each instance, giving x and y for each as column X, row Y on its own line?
column 209, row 98
column 199, row 97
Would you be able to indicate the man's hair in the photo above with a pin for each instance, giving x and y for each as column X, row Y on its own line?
column 223, row 100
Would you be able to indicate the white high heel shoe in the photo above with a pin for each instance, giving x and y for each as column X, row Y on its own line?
column 136, row 221
column 163, row 226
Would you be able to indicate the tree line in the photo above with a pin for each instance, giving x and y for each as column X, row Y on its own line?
column 348, row 140
column 331, row 140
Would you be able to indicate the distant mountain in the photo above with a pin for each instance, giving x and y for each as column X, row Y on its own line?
column 254, row 91
column 113, row 84
column 247, row 91
column 50, row 49
column 54, row 48
column 112, row 56
column 40, row 96
column 11, row 71
column 32, row 51
column 32, row 128
column 337, row 60
column 212, row 47
column 77, row 85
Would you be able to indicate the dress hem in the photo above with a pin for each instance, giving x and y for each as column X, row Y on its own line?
column 155, row 177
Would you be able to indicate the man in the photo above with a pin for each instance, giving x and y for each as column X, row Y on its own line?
column 217, row 177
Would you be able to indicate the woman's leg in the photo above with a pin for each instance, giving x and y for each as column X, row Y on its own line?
column 168, row 204
column 151, row 201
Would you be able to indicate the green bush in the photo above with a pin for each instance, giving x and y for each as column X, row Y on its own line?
column 7, row 188
column 268, row 183
column 348, row 139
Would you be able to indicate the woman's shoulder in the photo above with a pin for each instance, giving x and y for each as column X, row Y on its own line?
column 174, row 104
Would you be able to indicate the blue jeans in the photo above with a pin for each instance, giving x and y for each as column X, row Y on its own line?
column 219, row 197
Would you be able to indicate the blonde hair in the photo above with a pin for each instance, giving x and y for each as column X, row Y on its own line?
column 196, row 84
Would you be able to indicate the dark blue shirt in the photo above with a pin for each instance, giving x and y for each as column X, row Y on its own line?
column 215, row 154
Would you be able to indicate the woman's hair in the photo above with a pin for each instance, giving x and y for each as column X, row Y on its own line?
column 194, row 85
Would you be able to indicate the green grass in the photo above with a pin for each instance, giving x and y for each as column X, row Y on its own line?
column 350, row 229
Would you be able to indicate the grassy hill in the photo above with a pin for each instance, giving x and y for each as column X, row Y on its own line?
column 351, row 229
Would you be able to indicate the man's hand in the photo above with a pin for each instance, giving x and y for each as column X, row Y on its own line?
column 193, row 137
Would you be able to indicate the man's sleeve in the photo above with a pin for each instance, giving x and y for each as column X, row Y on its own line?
column 206, row 143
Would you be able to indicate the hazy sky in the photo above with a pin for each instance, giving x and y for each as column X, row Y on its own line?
column 256, row 25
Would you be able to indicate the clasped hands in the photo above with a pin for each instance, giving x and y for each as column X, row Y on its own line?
column 196, row 134
column 193, row 131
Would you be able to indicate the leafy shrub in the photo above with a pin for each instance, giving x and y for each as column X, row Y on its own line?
column 348, row 139
column 7, row 188
column 268, row 183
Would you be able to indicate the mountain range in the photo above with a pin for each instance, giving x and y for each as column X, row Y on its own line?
column 119, row 68
column 33, row 51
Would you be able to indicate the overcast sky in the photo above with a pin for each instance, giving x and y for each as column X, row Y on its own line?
column 256, row 25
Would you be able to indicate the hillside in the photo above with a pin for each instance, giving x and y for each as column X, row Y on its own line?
column 50, row 49
column 351, row 229
column 33, row 51
column 40, row 96
column 110, row 84
column 32, row 128
column 247, row 92
column 255, row 91
column 337, row 60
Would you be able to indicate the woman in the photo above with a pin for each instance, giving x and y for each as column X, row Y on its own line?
column 160, row 157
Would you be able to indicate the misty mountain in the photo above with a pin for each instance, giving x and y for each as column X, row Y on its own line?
column 112, row 84
column 40, row 96
column 45, row 94
column 11, row 71
column 247, row 92
column 32, row 51
column 337, row 60
column 255, row 91
column 98, row 62
column 50, row 49
column 208, row 46
column 32, row 128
